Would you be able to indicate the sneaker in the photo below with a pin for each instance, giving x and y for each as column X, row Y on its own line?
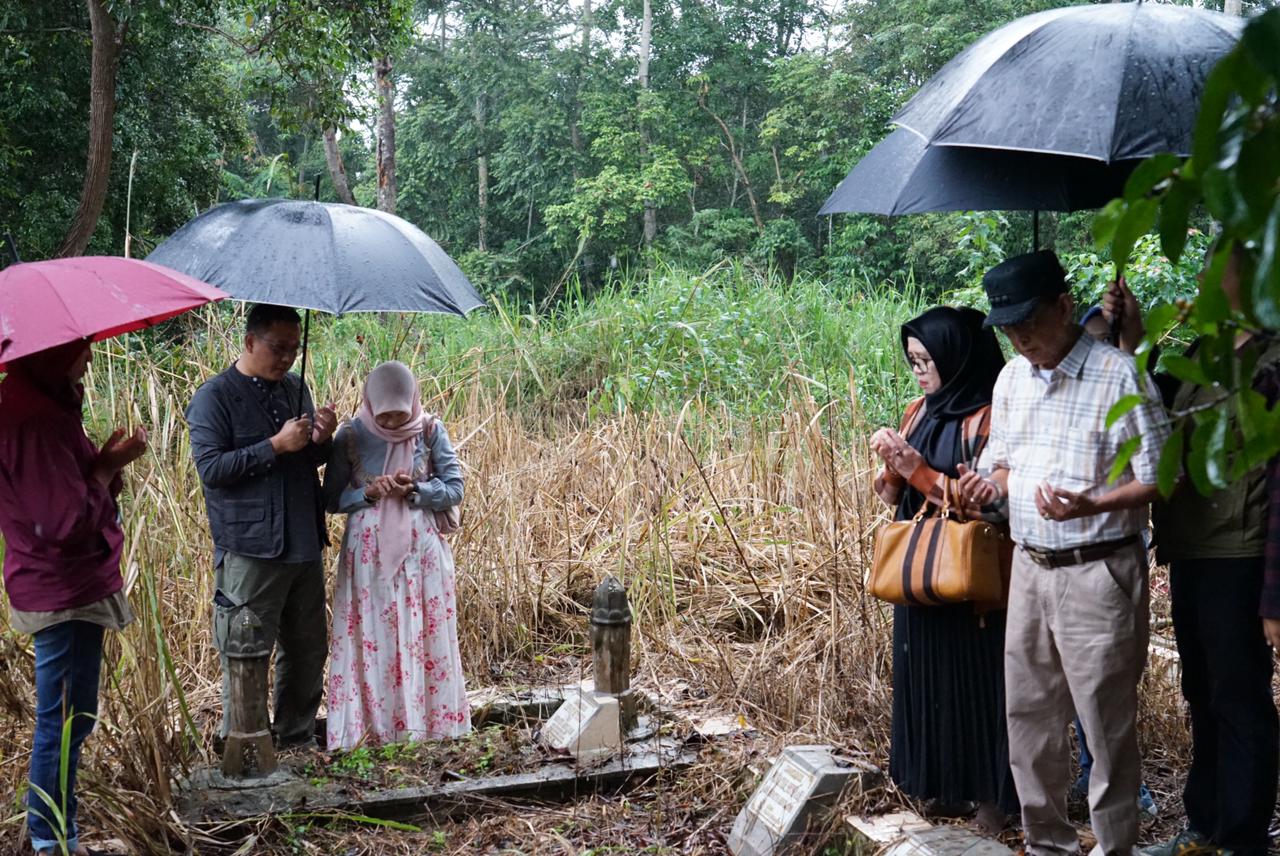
column 1188, row 842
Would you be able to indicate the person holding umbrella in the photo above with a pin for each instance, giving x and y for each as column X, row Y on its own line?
column 63, row 543
column 59, row 511
column 1215, row 547
column 257, row 463
column 1077, row 621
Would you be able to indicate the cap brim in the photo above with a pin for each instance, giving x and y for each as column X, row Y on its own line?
column 1008, row 316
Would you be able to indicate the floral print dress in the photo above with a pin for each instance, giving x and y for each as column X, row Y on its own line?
column 395, row 673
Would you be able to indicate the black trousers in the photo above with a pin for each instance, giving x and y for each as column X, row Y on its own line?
column 1226, row 680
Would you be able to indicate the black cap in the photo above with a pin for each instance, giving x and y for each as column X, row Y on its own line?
column 1017, row 285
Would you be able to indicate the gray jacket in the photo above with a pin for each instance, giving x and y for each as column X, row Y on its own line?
column 358, row 455
column 244, row 480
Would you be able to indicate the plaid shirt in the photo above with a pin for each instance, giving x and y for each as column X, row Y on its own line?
column 1056, row 432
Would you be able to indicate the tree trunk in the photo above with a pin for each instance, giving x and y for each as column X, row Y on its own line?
column 734, row 156
column 482, row 175
column 386, row 135
column 1233, row 7
column 584, row 58
column 646, row 32
column 108, row 41
column 337, row 172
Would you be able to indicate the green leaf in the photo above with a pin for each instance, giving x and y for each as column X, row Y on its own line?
column 1197, row 454
column 1137, row 221
column 1123, row 456
column 1175, row 211
column 1262, row 40
column 1185, row 369
column 1211, row 303
column 1214, row 98
column 1148, row 174
column 1170, row 466
column 1220, row 194
column 1105, row 222
column 1266, row 278
column 1123, row 406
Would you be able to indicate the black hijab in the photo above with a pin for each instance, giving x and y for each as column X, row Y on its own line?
column 968, row 359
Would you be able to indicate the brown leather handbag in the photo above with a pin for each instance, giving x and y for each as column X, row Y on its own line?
column 935, row 560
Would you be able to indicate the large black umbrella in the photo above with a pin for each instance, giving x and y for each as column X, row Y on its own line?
column 903, row 174
column 318, row 255
column 1111, row 81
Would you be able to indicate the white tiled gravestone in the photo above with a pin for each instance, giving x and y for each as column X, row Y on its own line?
column 804, row 780
column 587, row 725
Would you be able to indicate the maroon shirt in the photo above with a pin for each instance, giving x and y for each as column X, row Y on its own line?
column 62, row 536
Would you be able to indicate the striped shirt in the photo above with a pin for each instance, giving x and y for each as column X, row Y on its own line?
column 1056, row 432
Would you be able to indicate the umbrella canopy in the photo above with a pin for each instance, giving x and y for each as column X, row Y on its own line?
column 1113, row 81
column 319, row 255
column 905, row 175
column 43, row 304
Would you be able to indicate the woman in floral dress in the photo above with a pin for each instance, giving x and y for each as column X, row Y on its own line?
column 394, row 669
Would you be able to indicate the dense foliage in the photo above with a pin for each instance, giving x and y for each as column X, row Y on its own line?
column 526, row 141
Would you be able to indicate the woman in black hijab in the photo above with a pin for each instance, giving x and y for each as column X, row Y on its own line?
column 949, row 744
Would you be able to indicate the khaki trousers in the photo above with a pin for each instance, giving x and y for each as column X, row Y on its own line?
column 1076, row 637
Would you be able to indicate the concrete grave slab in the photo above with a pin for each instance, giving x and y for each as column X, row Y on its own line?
column 792, row 796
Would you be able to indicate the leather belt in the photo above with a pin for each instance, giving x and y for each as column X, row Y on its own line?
column 1078, row 555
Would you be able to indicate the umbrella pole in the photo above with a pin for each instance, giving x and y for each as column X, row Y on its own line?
column 12, row 246
column 306, row 334
column 1035, row 230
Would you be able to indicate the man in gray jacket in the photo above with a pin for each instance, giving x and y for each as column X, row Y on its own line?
column 257, row 440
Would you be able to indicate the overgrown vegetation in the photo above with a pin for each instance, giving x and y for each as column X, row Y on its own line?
column 733, row 499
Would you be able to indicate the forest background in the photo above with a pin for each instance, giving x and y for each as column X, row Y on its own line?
column 539, row 141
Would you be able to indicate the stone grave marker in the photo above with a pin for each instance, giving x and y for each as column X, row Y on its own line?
column 802, row 782
column 588, row 725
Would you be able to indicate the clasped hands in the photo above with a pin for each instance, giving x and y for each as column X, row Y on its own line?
column 397, row 486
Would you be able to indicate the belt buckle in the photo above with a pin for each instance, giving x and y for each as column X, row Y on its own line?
column 1040, row 557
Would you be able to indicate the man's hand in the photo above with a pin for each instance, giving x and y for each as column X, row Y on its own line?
column 326, row 424
column 118, row 452
column 1054, row 503
column 1271, row 629
column 293, row 437
column 976, row 490
column 896, row 452
column 1120, row 302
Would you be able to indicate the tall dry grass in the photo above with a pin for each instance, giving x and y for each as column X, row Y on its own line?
column 742, row 540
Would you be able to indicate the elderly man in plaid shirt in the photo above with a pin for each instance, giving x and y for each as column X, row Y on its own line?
column 1078, row 601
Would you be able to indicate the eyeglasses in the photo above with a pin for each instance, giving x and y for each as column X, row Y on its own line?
column 282, row 352
column 920, row 366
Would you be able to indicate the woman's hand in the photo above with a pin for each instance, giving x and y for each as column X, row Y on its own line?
column 896, row 452
column 378, row 488
column 402, row 485
column 974, row 489
column 117, row 453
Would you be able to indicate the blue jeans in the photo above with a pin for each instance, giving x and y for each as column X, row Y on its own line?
column 68, row 664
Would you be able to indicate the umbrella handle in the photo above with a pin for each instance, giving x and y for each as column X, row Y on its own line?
column 302, row 374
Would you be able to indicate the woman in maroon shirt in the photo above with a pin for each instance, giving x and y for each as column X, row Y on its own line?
column 61, row 565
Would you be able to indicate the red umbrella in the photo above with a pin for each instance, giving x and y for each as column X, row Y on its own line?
column 43, row 304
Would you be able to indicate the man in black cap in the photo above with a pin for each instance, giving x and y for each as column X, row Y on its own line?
column 1078, row 603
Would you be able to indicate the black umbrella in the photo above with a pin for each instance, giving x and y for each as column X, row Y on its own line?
column 1112, row 81
column 905, row 175
column 318, row 255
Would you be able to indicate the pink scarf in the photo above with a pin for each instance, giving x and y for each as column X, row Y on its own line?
column 389, row 388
